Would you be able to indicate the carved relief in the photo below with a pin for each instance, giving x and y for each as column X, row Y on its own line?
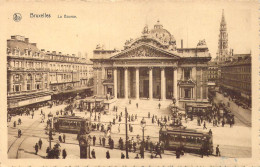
column 143, row 52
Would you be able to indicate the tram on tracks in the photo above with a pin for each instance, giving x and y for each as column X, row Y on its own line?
column 187, row 140
column 197, row 109
column 71, row 124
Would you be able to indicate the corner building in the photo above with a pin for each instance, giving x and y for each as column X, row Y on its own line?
column 152, row 67
column 34, row 75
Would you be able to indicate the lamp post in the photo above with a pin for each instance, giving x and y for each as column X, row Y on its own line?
column 126, row 136
column 50, row 116
column 143, row 124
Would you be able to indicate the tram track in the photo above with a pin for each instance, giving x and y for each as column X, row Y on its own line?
column 17, row 143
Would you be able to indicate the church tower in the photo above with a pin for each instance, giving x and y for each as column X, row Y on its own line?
column 222, row 54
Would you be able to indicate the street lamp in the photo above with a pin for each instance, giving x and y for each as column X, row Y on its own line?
column 126, row 137
column 50, row 116
column 143, row 124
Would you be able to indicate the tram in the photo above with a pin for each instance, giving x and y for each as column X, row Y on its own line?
column 71, row 124
column 198, row 109
column 187, row 140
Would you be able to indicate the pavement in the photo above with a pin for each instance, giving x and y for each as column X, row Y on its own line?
column 234, row 142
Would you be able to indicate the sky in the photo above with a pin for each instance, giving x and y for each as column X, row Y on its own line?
column 112, row 23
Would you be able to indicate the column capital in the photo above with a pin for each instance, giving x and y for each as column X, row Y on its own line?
column 137, row 68
column 150, row 68
column 125, row 68
column 162, row 68
column 174, row 68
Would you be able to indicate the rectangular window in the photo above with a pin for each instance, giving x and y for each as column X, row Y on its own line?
column 17, row 88
column 186, row 73
column 109, row 73
column 28, row 86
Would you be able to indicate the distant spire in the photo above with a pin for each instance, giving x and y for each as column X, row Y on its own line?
column 223, row 22
column 223, row 39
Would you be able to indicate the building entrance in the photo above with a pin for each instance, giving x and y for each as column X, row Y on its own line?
column 146, row 88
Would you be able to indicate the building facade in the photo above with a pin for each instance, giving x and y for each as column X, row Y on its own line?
column 236, row 78
column 33, row 75
column 213, row 73
column 150, row 67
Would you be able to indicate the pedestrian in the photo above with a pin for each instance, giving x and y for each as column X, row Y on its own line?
column 122, row 156
column 158, row 150
column 118, row 128
column 104, row 141
column 100, row 140
column 107, row 155
column 40, row 143
column 210, row 132
column 14, row 124
column 60, row 139
column 64, row 153
column 136, row 105
column 93, row 154
column 19, row 132
column 159, row 105
column 94, row 140
column 217, row 151
column 137, row 156
column 36, row 147
column 64, row 138
column 204, row 125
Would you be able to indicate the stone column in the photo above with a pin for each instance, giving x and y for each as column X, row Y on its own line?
column 126, row 83
column 175, row 86
column 137, row 83
column 115, row 83
column 163, row 83
column 150, row 83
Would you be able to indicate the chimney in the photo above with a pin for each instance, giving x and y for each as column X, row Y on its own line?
column 26, row 40
column 59, row 53
column 182, row 44
column 13, row 37
column 43, row 50
column 54, row 52
column 73, row 55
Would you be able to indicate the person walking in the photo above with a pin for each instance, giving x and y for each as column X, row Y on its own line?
column 104, row 141
column 217, row 151
column 94, row 140
column 107, row 154
column 159, row 105
column 93, row 154
column 64, row 153
column 60, row 139
column 40, row 143
column 64, row 138
column 204, row 125
column 36, row 147
column 122, row 156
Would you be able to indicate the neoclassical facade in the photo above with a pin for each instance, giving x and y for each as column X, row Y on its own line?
column 152, row 67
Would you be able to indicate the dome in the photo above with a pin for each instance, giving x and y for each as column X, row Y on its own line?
column 161, row 34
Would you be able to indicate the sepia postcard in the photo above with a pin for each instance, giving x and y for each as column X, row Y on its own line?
column 129, row 83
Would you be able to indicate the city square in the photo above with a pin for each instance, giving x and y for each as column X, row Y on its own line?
column 155, row 98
